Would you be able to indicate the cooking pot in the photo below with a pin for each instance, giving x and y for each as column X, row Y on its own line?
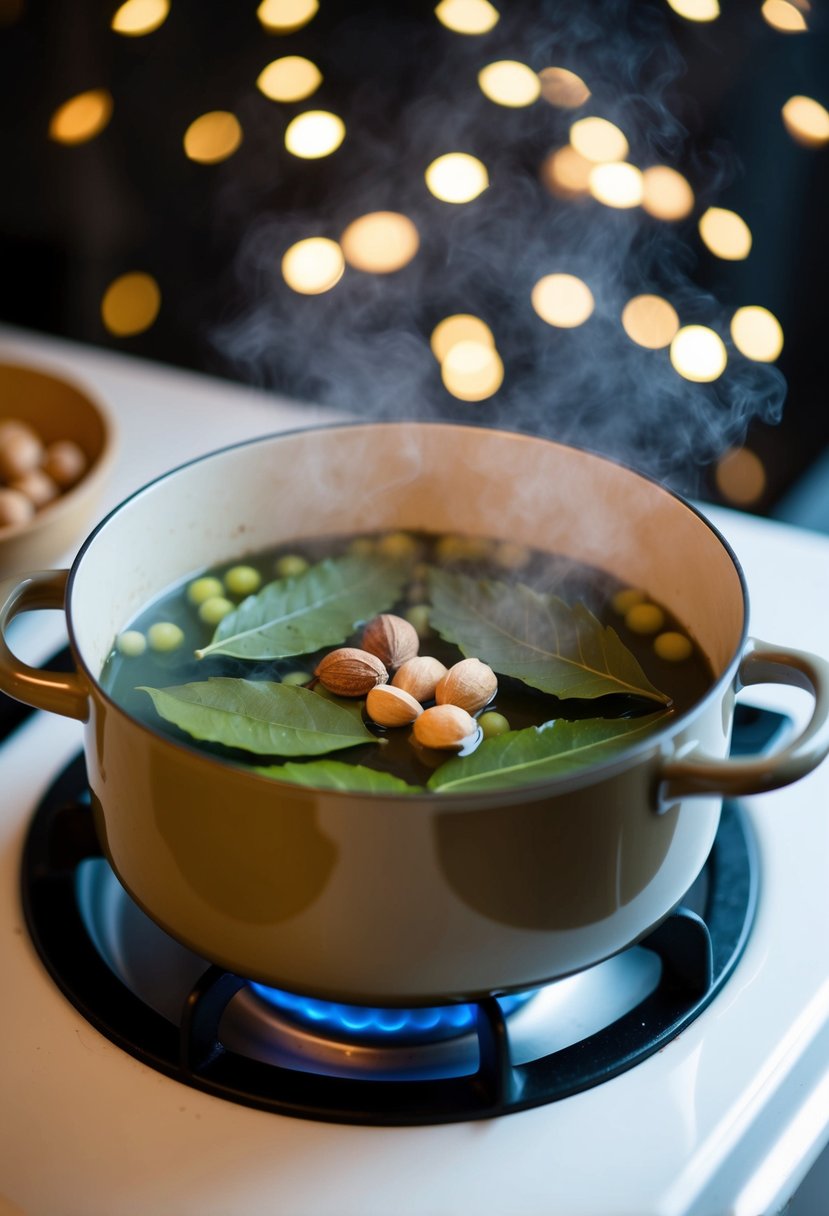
column 410, row 899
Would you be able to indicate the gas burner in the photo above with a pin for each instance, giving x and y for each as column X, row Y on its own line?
column 291, row 1054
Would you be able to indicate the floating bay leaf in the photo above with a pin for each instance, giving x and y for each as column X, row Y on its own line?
column 259, row 716
column 537, row 638
column 521, row 757
column 307, row 611
column 334, row 775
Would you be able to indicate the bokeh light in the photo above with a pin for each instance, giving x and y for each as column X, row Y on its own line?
column 740, row 476
column 130, row 304
column 598, row 140
column 666, row 194
column 757, row 333
column 784, row 17
column 563, row 88
column 457, row 177
column 291, row 78
column 616, row 184
column 314, row 134
column 213, row 137
column 462, row 327
column 138, row 17
column 806, row 120
column 725, row 233
column 467, row 16
column 380, row 242
column 285, row 16
column 472, row 371
column 81, row 118
column 562, row 300
column 313, row 266
column 698, row 354
column 509, row 83
column 696, row 10
column 650, row 321
column 566, row 172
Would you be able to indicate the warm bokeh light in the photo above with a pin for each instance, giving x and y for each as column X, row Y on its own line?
column 566, row 172
column 784, row 17
column 562, row 300
column 666, row 194
column 698, row 354
column 462, row 327
column 757, row 333
column 616, row 184
column 130, row 304
column 380, row 242
column 563, row 88
column 81, row 118
column 740, row 476
column 213, row 137
column 138, row 17
column 291, row 78
column 509, row 83
column 467, row 16
column 472, row 371
column 806, row 120
column 285, row 16
column 650, row 321
column 696, row 10
column 457, row 177
column 314, row 134
column 313, row 266
column 725, row 233
column 598, row 140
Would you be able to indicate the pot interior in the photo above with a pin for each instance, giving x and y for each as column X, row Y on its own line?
column 430, row 477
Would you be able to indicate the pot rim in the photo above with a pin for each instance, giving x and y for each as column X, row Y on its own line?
column 589, row 775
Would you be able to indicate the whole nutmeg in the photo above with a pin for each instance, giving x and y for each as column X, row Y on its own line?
column 37, row 486
column 420, row 676
column 20, row 449
column 388, row 706
column 391, row 638
column 65, row 462
column 15, row 508
column 469, row 684
column 349, row 672
column 445, row 727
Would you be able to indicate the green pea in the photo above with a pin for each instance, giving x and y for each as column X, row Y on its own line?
column 164, row 635
column 203, row 588
column 215, row 609
column 493, row 724
column 290, row 565
column 418, row 615
column 131, row 643
column 397, row 545
column 296, row 678
column 243, row 580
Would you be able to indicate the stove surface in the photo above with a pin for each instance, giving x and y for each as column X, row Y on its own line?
column 727, row 1118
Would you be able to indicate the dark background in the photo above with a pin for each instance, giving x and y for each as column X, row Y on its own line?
column 72, row 219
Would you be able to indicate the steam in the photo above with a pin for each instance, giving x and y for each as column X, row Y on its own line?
column 364, row 346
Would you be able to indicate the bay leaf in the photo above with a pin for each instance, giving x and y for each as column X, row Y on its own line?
column 548, row 644
column 334, row 775
column 521, row 757
column 260, row 716
column 305, row 612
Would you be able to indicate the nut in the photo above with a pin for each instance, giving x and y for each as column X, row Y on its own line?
column 469, row 684
column 349, row 672
column 420, row 676
column 445, row 727
column 391, row 639
column 389, row 706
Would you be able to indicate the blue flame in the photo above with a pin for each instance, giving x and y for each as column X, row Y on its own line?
column 363, row 1021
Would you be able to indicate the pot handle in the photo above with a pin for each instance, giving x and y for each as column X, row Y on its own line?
column 57, row 692
column 761, row 664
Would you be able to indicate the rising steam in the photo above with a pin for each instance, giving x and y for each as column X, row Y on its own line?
column 364, row 345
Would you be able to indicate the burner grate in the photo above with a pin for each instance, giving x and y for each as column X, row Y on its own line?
column 697, row 954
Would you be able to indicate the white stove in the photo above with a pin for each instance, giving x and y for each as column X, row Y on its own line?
column 728, row 1117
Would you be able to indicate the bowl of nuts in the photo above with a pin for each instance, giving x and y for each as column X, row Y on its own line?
column 56, row 447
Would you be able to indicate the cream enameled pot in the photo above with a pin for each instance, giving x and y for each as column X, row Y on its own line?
column 409, row 899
